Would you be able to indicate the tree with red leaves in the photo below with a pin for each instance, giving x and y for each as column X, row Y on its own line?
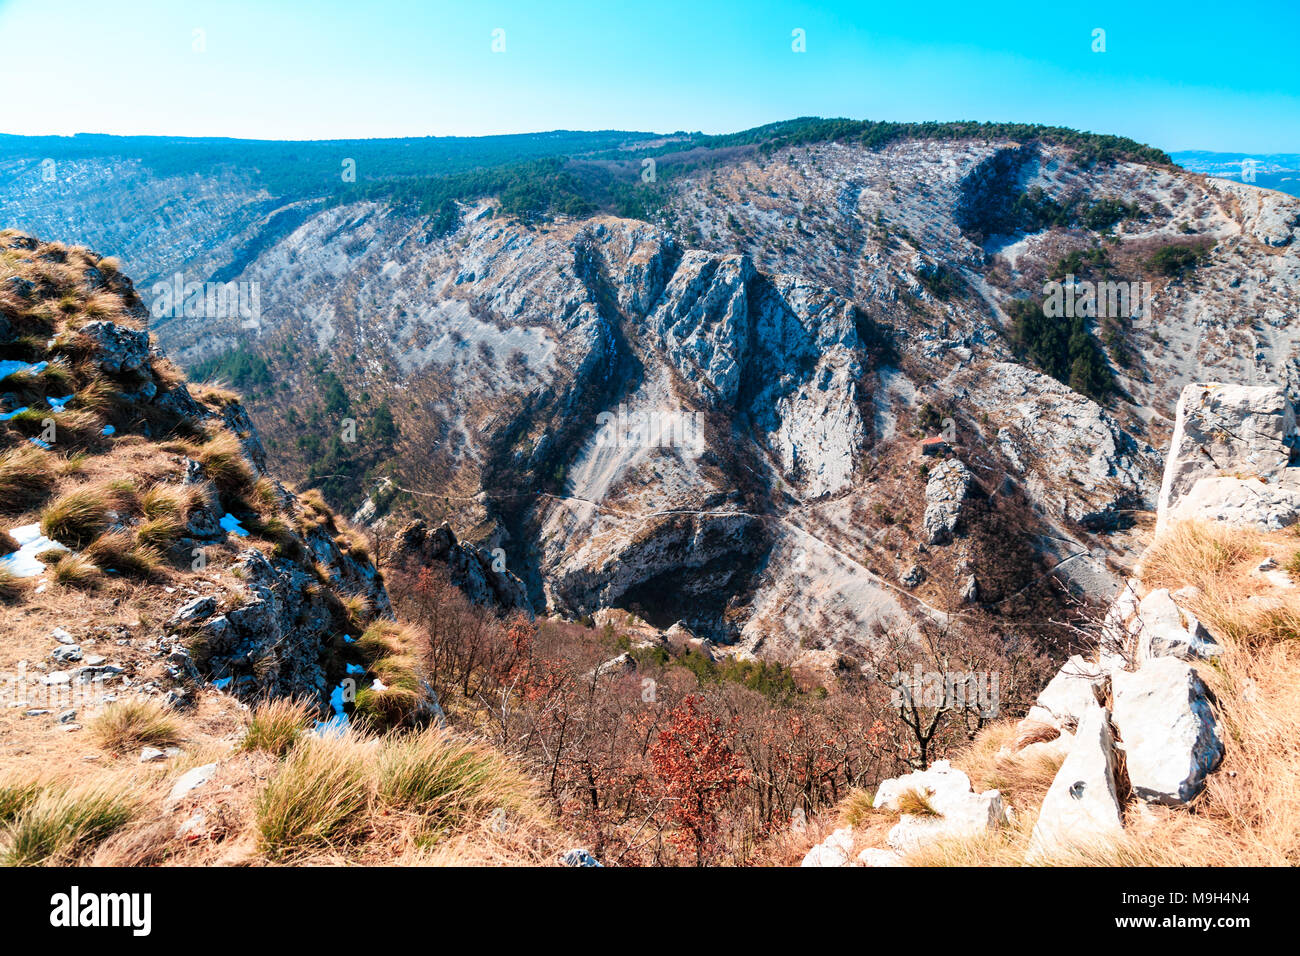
column 696, row 770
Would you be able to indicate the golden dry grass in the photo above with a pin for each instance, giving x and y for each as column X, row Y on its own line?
column 130, row 724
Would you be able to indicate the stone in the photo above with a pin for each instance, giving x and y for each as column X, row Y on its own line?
column 876, row 856
column 959, row 812
column 913, row 576
column 67, row 653
column 1171, row 741
column 62, row 636
column 1068, row 695
column 833, row 851
column 191, row 780
column 191, row 611
column 152, row 755
column 579, row 857
column 1162, row 629
column 1081, row 807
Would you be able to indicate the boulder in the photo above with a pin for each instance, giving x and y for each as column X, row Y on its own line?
column 835, row 850
column 1163, row 629
column 1163, row 716
column 579, row 857
column 958, row 811
column 1069, row 694
column 1226, row 431
column 1082, row 805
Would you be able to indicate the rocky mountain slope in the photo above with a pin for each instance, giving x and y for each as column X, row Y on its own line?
column 198, row 664
column 1167, row 744
column 715, row 416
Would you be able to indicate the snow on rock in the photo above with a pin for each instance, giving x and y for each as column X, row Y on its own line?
column 25, row 562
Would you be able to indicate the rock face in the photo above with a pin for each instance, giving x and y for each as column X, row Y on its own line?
column 1082, row 805
column 1073, row 457
column 946, row 489
column 481, row 574
column 1170, row 738
column 1229, row 457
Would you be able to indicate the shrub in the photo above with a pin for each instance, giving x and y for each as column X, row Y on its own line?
column 58, row 823
column 317, row 799
column 119, row 551
column 76, row 518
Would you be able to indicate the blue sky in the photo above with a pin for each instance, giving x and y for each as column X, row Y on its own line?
column 1180, row 76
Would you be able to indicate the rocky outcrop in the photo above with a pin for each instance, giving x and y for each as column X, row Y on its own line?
column 1082, row 805
column 480, row 573
column 703, row 322
column 946, row 489
column 1230, row 458
column 952, row 809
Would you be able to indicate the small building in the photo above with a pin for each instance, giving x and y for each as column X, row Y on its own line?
column 936, row 445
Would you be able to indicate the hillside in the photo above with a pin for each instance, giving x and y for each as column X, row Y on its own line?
column 728, row 393
column 200, row 666
column 1168, row 744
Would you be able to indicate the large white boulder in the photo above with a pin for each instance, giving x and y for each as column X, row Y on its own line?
column 1163, row 629
column 1068, row 695
column 1164, row 718
column 1234, row 431
column 1082, row 805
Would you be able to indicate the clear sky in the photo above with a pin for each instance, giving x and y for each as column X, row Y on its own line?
column 1187, row 75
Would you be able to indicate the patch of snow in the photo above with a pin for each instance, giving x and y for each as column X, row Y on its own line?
column 23, row 563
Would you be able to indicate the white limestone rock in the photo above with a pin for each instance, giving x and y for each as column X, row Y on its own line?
column 1163, row 716
column 945, row 491
column 1082, row 805
column 1225, row 431
column 835, row 850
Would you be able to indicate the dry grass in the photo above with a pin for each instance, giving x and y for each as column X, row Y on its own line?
column 120, row 551
column 76, row 571
column 223, row 462
column 51, row 824
column 916, row 804
column 130, row 724
column 276, row 725
column 1249, row 813
column 26, row 478
column 318, row 799
column 76, row 518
